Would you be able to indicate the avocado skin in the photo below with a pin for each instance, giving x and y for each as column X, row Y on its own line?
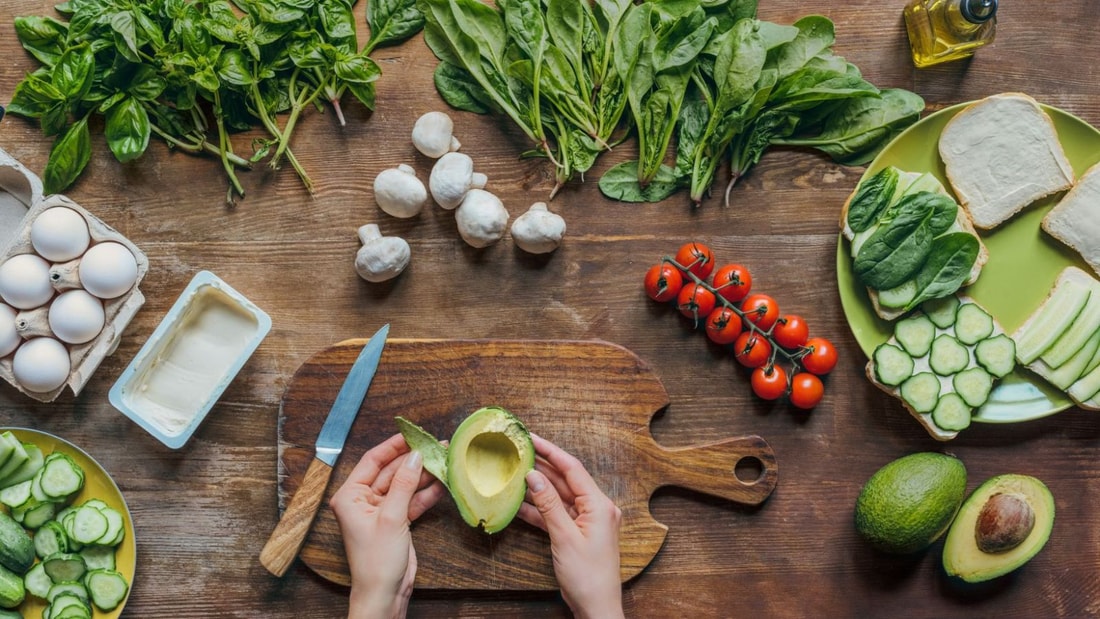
column 963, row 559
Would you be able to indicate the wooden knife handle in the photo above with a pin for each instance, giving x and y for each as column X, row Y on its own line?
column 286, row 540
column 741, row 469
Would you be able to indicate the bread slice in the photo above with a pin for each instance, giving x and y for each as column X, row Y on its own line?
column 964, row 223
column 1068, row 275
column 1001, row 154
column 1075, row 221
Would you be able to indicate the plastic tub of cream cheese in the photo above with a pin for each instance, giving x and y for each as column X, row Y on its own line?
column 190, row 359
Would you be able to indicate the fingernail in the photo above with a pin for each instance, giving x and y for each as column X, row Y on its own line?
column 535, row 481
column 412, row 461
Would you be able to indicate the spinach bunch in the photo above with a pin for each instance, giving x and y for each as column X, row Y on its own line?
column 191, row 72
column 756, row 84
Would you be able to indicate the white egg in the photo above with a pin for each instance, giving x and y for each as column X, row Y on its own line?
column 76, row 317
column 41, row 364
column 25, row 281
column 59, row 234
column 108, row 270
column 9, row 336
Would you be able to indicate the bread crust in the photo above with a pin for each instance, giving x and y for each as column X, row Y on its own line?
column 1075, row 220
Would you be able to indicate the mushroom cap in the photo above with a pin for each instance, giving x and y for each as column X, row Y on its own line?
column 538, row 231
column 399, row 192
column 382, row 258
column 452, row 176
column 481, row 218
column 433, row 134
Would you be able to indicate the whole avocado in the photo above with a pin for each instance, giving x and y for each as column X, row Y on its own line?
column 909, row 503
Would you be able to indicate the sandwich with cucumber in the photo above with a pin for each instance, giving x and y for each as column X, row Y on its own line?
column 909, row 240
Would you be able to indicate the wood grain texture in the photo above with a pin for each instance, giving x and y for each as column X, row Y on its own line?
column 203, row 513
column 286, row 540
column 594, row 399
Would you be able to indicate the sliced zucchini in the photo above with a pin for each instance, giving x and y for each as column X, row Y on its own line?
column 107, row 587
column 1052, row 318
column 50, row 539
column 915, row 334
column 921, row 392
column 941, row 311
column 65, row 566
column 951, row 413
column 972, row 324
column 899, row 296
column 997, row 355
column 892, row 365
column 973, row 385
column 948, row 356
column 37, row 581
column 61, row 477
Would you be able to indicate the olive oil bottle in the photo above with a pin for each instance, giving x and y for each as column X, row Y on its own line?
column 944, row 30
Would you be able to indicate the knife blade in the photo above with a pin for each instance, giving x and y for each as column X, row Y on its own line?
column 287, row 538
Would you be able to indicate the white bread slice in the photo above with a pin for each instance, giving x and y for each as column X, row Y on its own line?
column 1068, row 274
column 1075, row 220
column 963, row 221
column 1001, row 154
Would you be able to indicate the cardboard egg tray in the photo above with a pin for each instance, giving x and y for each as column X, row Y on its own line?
column 21, row 193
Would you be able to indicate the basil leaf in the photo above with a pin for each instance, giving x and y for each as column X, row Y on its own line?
column 146, row 84
column 233, row 68
column 621, row 183
column 338, row 23
column 69, row 155
column 34, row 96
column 73, row 73
column 359, row 69
column 364, row 92
column 871, row 199
column 948, row 267
column 127, row 129
column 125, row 29
column 392, row 21
column 42, row 37
column 55, row 118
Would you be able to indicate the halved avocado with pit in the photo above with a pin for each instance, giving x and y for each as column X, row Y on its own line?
column 486, row 465
column 1003, row 524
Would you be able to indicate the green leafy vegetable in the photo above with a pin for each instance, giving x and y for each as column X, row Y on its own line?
column 871, row 199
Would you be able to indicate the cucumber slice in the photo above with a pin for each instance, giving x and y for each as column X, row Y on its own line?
column 7, row 447
column 39, row 515
column 892, row 365
column 973, row 386
column 941, row 311
column 1052, row 318
column 107, row 587
column 29, row 468
column 948, row 356
column 14, row 496
column 65, row 566
column 951, row 413
column 17, row 458
column 61, row 477
column 62, row 603
column 89, row 525
column 972, row 324
column 37, row 581
column 1086, row 387
column 1074, row 368
column 997, row 355
column 1076, row 335
column 899, row 296
column 50, row 539
column 915, row 334
column 69, row 587
column 99, row 557
column 921, row 392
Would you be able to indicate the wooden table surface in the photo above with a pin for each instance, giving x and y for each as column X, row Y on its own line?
column 203, row 512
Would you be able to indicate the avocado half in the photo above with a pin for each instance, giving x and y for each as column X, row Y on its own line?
column 485, row 465
column 1011, row 516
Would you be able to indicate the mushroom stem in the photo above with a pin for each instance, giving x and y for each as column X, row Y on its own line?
column 369, row 232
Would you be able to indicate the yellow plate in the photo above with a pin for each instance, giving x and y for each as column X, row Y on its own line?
column 1023, row 262
column 97, row 485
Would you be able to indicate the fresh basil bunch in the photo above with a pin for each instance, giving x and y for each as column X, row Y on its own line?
column 192, row 72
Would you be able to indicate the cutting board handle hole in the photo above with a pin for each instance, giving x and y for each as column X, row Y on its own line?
column 749, row 470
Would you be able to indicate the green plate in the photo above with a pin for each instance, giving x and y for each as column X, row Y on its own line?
column 97, row 485
column 1023, row 262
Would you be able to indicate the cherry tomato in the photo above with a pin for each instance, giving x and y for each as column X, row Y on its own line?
column 663, row 282
column 732, row 282
column 695, row 301
column 791, row 331
column 761, row 310
column 723, row 325
column 752, row 350
column 769, row 383
column 806, row 390
column 820, row 357
column 697, row 258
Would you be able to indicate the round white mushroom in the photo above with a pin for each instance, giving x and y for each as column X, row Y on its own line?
column 381, row 257
column 481, row 218
column 452, row 176
column 399, row 192
column 433, row 135
column 538, row 231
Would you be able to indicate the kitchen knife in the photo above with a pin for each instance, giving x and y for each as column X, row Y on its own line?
column 286, row 540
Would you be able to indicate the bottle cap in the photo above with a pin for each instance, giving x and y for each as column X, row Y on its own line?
column 978, row 11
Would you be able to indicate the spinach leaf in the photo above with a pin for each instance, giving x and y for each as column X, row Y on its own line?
column 127, row 129
column 69, row 155
column 459, row 89
column 947, row 268
column 896, row 250
column 816, row 34
column 872, row 197
column 621, row 183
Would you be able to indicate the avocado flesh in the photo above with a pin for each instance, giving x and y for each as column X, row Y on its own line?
column 487, row 464
column 961, row 556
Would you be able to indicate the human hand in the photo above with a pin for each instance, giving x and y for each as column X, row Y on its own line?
column 564, row 500
column 375, row 507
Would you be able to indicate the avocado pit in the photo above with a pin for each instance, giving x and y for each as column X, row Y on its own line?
column 1004, row 523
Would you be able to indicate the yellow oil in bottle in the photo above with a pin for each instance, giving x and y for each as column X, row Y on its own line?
column 945, row 30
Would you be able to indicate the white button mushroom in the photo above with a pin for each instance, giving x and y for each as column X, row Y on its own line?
column 433, row 135
column 481, row 218
column 399, row 192
column 452, row 176
column 538, row 231
column 381, row 257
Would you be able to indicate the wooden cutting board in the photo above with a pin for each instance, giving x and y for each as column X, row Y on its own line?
column 592, row 398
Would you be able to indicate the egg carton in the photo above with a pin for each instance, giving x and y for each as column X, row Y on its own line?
column 20, row 188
